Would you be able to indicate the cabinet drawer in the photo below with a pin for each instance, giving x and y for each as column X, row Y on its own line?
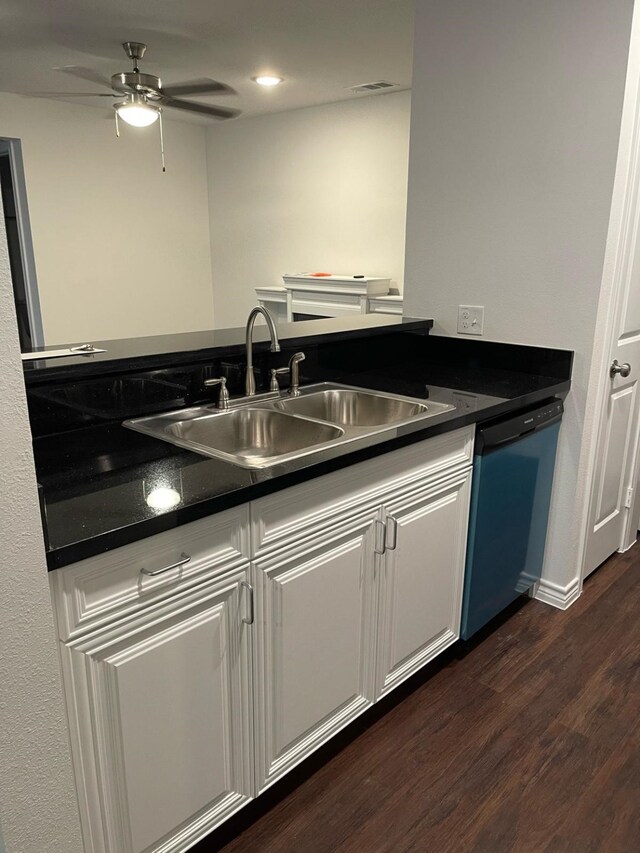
column 287, row 518
column 101, row 589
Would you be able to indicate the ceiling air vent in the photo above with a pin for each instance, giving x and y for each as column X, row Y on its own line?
column 371, row 87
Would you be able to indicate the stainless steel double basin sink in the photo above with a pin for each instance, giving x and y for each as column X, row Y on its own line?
column 268, row 429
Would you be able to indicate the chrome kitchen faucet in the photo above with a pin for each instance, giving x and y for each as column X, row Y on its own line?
column 250, row 382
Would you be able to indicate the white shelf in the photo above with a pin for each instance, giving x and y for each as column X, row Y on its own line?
column 325, row 300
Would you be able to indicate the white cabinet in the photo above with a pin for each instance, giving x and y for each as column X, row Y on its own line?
column 358, row 579
column 314, row 641
column 160, row 706
column 194, row 688
column 421, row 577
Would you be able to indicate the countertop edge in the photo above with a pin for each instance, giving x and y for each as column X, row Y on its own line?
column 97, row 366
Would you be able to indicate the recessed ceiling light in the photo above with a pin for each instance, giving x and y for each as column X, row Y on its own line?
column 267, row 80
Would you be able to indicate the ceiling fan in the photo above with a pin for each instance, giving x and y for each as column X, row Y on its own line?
column 143, row 97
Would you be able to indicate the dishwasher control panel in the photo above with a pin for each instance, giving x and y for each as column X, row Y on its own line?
column 511, row 427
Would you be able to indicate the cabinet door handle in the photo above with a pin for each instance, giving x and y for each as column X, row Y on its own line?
column 380, row 544
column 182, row 562
column 248, row 620
column 393, row 527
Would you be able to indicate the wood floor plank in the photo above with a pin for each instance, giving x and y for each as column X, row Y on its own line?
column 607, row 705
column 507, row 652
column 558, row 671
column 606, row 814
column 541, row 792
column 441, row 813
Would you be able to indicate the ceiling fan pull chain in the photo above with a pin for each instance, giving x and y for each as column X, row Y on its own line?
column 161, row 139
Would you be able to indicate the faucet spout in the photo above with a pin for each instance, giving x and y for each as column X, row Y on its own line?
column 250, row 382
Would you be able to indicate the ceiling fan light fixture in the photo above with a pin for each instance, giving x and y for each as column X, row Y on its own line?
column 137, row 111
column 268, row 80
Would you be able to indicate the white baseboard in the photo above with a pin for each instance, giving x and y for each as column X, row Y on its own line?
column 624, row 550
column 558, row 596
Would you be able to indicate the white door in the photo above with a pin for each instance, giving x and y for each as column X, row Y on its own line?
column 421, row 577
column 169, row 708
column 613, row 517
column 314, row 642
column 614, row 507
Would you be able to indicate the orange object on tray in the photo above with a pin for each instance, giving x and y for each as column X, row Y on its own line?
column 320, row 274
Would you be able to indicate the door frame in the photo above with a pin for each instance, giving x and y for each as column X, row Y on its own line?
column 620, row 244
column 13, row 147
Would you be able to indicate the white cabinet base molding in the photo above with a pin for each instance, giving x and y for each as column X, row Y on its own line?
column 558, row 596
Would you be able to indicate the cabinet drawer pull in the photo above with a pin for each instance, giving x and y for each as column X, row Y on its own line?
column 393, row 526
column 248, row 620
column 182, row 562
column 380, row 543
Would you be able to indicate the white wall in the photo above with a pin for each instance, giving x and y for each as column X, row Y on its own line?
column 516, row 113
column 38, row 806
column 322, row 188
column 121, row 249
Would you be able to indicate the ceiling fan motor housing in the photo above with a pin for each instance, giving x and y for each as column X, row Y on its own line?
column 128, row 82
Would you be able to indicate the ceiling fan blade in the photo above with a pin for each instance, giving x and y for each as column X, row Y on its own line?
column 202, row 109
column 197, row 87
column 85, row 74
column 72, row 95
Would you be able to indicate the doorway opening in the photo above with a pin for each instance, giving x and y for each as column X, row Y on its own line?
column 21, row 259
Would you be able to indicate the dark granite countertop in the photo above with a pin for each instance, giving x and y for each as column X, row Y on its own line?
column 96, row 490
column 97, row 479
column 155, row 351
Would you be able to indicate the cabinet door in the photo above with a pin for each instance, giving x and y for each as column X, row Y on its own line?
column 314, row 641
column 163, row 715
column 421, row 577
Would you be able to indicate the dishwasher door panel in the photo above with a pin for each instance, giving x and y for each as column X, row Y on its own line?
column 508, row 524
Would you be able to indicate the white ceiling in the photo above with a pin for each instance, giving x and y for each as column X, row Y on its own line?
column 320, row 47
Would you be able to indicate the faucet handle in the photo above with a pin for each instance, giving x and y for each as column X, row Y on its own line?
column 223, row 399
column 275, row 372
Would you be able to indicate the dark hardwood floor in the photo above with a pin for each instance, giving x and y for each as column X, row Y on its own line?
column 528, row 743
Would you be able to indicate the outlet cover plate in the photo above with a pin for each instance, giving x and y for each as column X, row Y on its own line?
column 470, row 319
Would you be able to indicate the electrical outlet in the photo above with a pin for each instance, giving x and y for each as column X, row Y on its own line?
column 470, row 319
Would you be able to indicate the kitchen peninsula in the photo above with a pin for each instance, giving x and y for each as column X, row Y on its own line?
column 219, row 623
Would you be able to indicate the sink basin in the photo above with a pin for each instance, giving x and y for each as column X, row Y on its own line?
column 250, row 437
column 354, row 408
column 268, row 429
